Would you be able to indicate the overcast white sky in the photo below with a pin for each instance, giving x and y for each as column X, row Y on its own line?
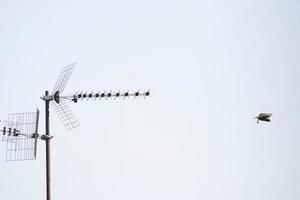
column 211, row 67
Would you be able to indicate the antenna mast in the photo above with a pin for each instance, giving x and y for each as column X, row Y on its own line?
column 47, row 139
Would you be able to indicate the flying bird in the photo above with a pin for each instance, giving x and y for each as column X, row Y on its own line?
column 263, row 117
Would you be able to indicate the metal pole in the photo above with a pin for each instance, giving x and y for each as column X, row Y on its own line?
column 47, row 146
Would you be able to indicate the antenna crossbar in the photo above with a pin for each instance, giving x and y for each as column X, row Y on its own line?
column 105, row 95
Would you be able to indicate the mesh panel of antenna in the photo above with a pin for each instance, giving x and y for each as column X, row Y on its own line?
column 65, row 114
column 20, row 134
column 63, row 78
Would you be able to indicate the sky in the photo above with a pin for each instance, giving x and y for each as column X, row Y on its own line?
column 211, row 66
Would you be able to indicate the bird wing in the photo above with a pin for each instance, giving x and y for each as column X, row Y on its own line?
column 265, row 115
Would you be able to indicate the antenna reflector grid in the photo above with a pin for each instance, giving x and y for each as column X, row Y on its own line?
column 21, row 142
column 65, row 114
column 63, row 78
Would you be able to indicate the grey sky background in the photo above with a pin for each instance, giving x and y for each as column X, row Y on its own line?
column 211, row 67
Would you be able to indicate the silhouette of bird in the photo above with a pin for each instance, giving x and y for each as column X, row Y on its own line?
column 263, row 117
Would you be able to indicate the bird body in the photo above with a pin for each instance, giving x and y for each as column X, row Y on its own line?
column 263, row 117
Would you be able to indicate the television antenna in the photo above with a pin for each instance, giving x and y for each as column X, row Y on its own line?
column 20, row 131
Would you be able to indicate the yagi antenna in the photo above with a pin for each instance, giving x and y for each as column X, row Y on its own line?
column 59, row 101
column 20, row 131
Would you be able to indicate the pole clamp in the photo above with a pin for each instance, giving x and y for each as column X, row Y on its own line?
column 46, row 137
